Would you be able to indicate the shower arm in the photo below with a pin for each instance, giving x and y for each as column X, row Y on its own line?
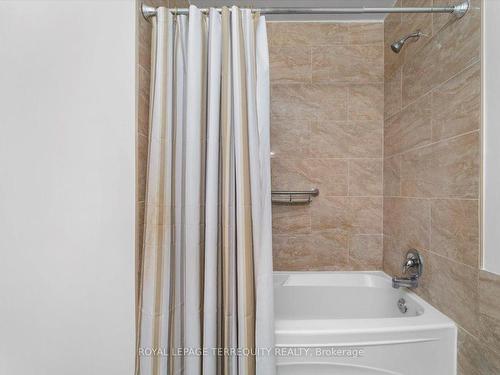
column 416, row 34
column 458, row 10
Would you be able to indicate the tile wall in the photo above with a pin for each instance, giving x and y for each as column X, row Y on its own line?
column 432, row 174
column 327, row 132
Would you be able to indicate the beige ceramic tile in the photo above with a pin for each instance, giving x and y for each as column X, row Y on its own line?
column 392, row 93
column 409, row 23
column 330, row 139
column 334, row 238
column 142, row 160
column 412, row 22
column 394, row 18
column 143, row 39
column 366, row 102
column 290, row 139
column 306, row 33
column 328, row 175
column 393, row 255
column 366, row 33
column 342, row 63
column 392, row 176
column 366, row 177
column 144, row 77
column 455, row 230
column 332, row 242
column 392, row 61
column 296, row 105
column 393, row 30
column 456, row 105
column 490, row 360
column 407, row 221
column 144, row 47
column 286, row 175
column 367, row 139
column 140, row 207
column 347, row 139
column 489, row 295
column 366, row 251
column 308, row 252
column 143, row 115
column 469, row 354
column 445, row 169
column 291, row 219
column 451, row 50
column 331, row 213
column 440, row 20
column 452, row 288
column 409, row 128
column 291, row 253
column 290, row 64
column 309, row 102
column 366, row 215
column 490, row 332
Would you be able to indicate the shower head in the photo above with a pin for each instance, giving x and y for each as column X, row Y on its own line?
column 398, row 44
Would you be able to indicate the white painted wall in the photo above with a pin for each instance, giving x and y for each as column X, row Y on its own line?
column 491, row 121
column 67, row 120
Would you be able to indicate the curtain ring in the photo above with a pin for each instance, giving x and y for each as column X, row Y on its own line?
column 255, row 13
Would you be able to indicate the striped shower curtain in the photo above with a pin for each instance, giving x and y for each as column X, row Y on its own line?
column 206, row 291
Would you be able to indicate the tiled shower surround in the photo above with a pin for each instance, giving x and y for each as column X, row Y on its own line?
column 432, row 174
column 393, row 144
column 327, row 132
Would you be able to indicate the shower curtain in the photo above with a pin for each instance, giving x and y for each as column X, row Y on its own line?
column 206, row 291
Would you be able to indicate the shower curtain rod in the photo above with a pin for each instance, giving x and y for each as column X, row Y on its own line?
column 458, row 10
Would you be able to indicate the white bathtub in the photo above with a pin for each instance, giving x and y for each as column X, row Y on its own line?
column 349, row 323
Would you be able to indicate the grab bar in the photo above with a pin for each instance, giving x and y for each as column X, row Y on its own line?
column 293, row 196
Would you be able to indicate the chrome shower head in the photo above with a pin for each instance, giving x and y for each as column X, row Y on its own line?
column 398, row 44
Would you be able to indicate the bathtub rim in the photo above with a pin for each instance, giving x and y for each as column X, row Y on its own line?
column 431, row 318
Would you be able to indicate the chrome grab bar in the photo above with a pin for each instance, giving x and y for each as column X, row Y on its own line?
column 293, row 196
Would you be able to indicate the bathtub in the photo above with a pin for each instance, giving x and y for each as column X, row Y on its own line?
column 349, row 323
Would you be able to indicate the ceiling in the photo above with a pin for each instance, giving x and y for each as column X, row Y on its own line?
column 307, row 4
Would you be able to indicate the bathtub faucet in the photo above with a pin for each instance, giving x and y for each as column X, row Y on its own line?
column 413, row 266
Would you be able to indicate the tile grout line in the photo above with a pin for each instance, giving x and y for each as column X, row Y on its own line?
column 474, row 268
column 430, row 198
column 403, row 107
column 434, row 143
